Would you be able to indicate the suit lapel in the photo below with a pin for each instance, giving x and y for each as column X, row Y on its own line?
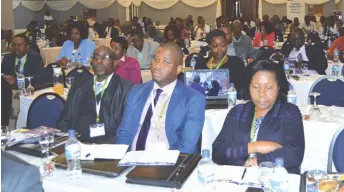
column 268, row 119
column 173, row 106
column 109, row 93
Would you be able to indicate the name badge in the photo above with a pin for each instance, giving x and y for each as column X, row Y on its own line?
column 97, row 130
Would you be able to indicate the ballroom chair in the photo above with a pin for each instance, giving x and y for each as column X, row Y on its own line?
column 331, row 89
column 199, row 59
column 45, row 111
column 79, row 73
column 6, row 102
column 49, row 71
column 266, row 52
column 343, row 71
column 341, row 56
column 335, row 154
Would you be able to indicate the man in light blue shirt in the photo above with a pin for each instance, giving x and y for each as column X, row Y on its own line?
column 229, row 38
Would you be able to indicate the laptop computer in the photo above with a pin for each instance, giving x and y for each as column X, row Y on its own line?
column 213, row 84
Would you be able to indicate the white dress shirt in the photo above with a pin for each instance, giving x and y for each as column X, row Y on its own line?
column 108, row 32
column 297, row 55
column 106, row 85
column 153, row 142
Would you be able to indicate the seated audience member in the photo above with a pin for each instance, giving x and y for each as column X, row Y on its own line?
column 338, row 43
column 96, row 101
column 308, row 26
column 254, row 30
column 135, row 26
column 215, row 88
column 277, row 29
column 118, row 26
column 47, row 19
column 6, row 40
column 22, row 60
column 243, row 44
column 219, row 60
column 142, row 49
column 227, row 29
column 127, row 68
column 185, row 33
column 296, row 49
column 62, row 35
column 179, row 113
column 266, row 36
column 296, row 23
column 110, row 31
column 152, row 34
column 196, row 84
column 201, row 30
column 78, row 43
column 265, row 128
column 266, row 18
column 18, row 175
column 171, row 34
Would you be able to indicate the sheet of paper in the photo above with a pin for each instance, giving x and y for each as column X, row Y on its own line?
column 230, row 172
column 168, row 157
column 104, row 151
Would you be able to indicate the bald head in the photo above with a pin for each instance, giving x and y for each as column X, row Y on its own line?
column 177, row 52
column 102, row 62
column 105, row 49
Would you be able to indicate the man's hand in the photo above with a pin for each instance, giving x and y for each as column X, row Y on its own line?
column 263, row 147
column 10, row 79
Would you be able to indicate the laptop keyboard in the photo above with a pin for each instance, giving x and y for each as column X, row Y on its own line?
column 217, row 104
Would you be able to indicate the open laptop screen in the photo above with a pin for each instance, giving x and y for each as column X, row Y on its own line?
column 214, row 84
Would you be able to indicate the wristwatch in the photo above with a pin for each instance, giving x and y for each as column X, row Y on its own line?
column 250, row 159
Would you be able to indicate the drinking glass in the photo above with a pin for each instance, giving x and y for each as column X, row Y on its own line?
column 304, row 68
column 315, row 110
column 265, row 172
column 29, row 90
column 69, row 81
column 317, row 175
column 46, row 141
column 5, row 137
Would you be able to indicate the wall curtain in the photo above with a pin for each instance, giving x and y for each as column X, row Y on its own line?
column 64, row 5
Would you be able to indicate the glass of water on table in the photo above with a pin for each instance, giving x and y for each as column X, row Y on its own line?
column 5, row 137
column 46, row 141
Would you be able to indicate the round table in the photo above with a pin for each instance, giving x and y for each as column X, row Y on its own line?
column 50, row 54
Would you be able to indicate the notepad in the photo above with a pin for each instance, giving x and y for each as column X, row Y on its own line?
column 104, row 151
column 150, row 158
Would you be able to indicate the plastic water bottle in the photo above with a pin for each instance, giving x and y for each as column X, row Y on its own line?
column 78, row 59
column 73, row 59
column 47, row 43
column 291, row 96
column 279, row 179
column 335, row 70
column 193, row 62
column 286, row 68
column 205, row 168
column 336, row 55
column 21, row 83
column 266, row 43
column 329, row 43
column 232, row 96
column 72, row 154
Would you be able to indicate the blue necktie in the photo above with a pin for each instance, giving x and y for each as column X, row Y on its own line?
column 18, row 67
column 141, row 140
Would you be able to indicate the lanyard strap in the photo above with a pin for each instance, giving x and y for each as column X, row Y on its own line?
column 101, row 95
column 219, row 64
column 163, row 110
column 252, row 135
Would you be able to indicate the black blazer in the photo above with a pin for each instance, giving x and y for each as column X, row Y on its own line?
column 278, row 33
column 282, row 124
column 236, row 68
column 33, row 67
column 114, row 32
column 315, row 54
column 252, row 32
column 80, row 109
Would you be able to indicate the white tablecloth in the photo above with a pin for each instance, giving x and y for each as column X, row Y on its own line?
column 302, row 87
column 103, row 41
column 59, row 182
column 330, row 65
column 318, row 133
column 49, row 55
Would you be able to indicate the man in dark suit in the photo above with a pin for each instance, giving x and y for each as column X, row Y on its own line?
column 95, row 105
column 296, row 49
column 255, row 29
column 135, row 26
column 22, row 60
column 18, row 175
column 110, row 31
column 174, row 120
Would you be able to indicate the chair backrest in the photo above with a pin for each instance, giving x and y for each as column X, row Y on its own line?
column 45, row 110
column 335, row 154
column 341, row 56
column 199, row 59
column 79, row 73
column 266, row 52
column 49, row 71
column 331, row 89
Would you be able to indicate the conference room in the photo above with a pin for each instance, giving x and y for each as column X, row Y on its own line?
column 172, row 95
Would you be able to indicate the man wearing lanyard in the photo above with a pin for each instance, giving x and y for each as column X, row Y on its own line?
column 21, row 60
column 164, row 113
column 95, row 105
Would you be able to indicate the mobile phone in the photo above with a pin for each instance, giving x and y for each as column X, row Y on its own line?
column 254, row 189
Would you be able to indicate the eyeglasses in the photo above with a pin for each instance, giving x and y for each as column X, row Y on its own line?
column 105, row 57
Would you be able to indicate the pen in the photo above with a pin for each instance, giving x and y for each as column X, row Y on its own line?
column 88, row 154
column 243, row 174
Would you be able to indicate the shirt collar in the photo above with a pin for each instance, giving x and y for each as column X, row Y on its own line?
column 168, row 89
column 22, row 60
column 108, row 80
column 122, row 59
column 302, row 49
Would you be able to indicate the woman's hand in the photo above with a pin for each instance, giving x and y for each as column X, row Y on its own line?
column 263, row 147
column 62, row 61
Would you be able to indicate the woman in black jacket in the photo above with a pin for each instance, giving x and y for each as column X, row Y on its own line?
column 219, row 60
